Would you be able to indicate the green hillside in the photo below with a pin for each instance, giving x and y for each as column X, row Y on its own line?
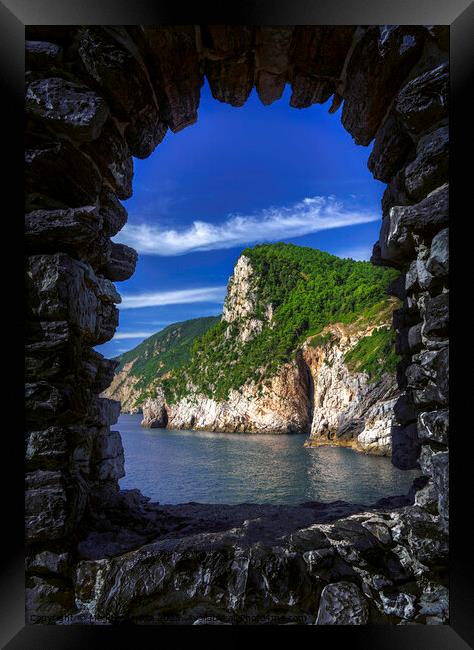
column 308, row 289
column 166, row 350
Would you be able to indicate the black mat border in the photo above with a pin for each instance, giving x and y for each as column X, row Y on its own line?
column 459, row 14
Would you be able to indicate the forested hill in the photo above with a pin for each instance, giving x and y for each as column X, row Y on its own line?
column 164, row 351
column 278, row 295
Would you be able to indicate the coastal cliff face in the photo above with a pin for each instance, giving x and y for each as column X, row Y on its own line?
column 349, row 409
column 123, row 389
column 316, row 392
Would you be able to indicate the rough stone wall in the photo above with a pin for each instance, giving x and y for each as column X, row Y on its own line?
column 95, row 97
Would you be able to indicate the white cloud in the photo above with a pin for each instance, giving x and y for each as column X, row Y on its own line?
column 132, row 335
column 180, row 296
column 310, row 215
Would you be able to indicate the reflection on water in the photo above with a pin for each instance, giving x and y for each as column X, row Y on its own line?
column 181, row 466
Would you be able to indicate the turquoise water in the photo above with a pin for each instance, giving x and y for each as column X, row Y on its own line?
column 181, row 466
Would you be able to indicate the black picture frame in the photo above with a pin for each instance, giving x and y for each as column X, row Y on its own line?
column 14, row 15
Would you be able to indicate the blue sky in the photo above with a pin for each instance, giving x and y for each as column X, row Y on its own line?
column 237, row 177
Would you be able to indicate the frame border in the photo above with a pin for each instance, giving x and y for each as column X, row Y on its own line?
column 14, row 15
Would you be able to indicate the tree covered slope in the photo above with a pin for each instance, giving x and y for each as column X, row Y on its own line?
column 279, row 295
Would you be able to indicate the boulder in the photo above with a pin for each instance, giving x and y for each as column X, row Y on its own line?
column 423, row 103
column 342, row 603
column 429, row 169
column 68, row 107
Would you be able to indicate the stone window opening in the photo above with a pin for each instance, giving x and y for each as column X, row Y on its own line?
column 95, row 97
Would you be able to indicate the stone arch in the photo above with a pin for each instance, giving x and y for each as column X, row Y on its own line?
column 95, row 97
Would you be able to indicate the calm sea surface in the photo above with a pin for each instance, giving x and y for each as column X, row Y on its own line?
column 181, row 466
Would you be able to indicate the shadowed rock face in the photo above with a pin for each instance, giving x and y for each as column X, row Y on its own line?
column 114, row 92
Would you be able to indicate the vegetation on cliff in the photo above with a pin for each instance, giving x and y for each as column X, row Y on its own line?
column 306, row 290
column 163, row 352
column 374, row 354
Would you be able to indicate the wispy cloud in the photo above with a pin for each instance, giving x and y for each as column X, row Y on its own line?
column 310, row 215
column 180, row 296
column 132, row 335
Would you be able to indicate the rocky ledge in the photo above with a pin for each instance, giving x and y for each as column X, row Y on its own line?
column 310, row 564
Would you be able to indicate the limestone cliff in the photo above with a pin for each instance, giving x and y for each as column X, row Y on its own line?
column 324, row 389
column 316, row 393
column 123, row 388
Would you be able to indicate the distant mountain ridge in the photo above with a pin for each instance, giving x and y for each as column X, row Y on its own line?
column 142, row 368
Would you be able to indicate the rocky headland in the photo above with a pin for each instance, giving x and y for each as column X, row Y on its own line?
column 320, row 389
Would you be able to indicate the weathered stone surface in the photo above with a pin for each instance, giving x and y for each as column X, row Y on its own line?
column 110, row 58
column 342, row 603
column 41, row 55
column 398, row 227
column 227, row 40
column 434, row 601
column 405, row 446
column 47, row 600
column 43, row 402
column 307, row 90
column 321, row 50
column 431, row 379
column 173, row 64
column 271, row 60
column 441, row 480
column 391, row 149
column 76, row 231
column 430, row 168
column 108, row 456
column 434, row 426
column 103, row 412
column 101, row 370
column 46, row 449
column 440, row 35
column 229, row 62
column 113, row 213
column 112, row 156
column 404, row 409
column 45, row 162
column 239, row 564
column 60, row 288
column 398, row 604
column 380, row 62
column 67, row 107
column 253, row 557
column 121, row 262
column 45, row 506
column 273, row 47
column 108, row 444
column 395, row 193
column 269, row 86
column 414, row 338
column 438, row 261
column 314, row 71
column 436, row 321
column 231, row 80
column 423, row 103
column 48, row 562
